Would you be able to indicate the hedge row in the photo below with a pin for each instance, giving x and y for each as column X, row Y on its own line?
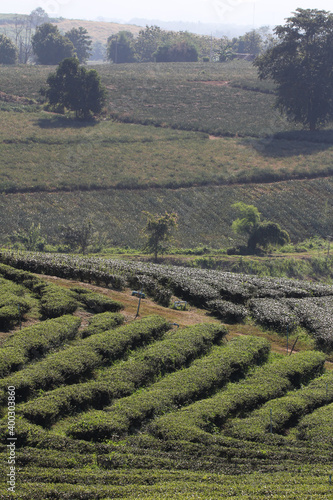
column 64, row 267
column 12, row 303
column 283, row 412
column 35, row 341
column 54, row 301
column 102, row 322
column 317, row 427
column 97, row 302
column 77, row 362
column 180, row 388
column 164, row 356
column 266, row 383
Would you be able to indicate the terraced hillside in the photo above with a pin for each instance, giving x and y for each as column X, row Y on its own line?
column 192, row 135
column 97, row 404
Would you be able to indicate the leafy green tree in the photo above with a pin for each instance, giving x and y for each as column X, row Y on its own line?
column 266, row 234
column 158, row 231
column 301, row 64
column 260, row 234
column 177, row 52
column 8, row 51
column 251, row 43
column 249, row 218
column 120, row 48
column 82, row 43
column 50, row 46
column 75, row 88
column 148, row 41
column 30, row 239
column 77, row 237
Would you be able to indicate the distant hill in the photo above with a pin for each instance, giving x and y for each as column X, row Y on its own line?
column 216, row 29
column 98, row 30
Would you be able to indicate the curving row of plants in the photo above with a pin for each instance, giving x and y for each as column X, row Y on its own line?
column 268, row 382
column 78, row 362
column 163, row 356
column 35, row 341
column 278, row 415
column 199, row 380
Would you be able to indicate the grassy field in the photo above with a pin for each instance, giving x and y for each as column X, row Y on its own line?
column 149, row 410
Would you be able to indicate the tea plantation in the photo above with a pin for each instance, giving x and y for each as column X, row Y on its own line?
column 97, row 402
column 173, row 137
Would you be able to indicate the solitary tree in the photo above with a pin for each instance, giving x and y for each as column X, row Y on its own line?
column 50, row 46
column 301, row 64
column 8, row 51
column 82, row 43
column 158, row 231
column 260, row 234
column 75, row 88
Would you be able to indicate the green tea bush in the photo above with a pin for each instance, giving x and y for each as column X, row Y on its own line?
column 77, row 362
column 163, row 356
column 285, row 411
column 99, row 303
column 317, row 427
column 35, row 341
column 102, row 322
column 238, row 399
column 199, row 380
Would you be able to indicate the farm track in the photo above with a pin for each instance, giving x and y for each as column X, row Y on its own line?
column 192, row 316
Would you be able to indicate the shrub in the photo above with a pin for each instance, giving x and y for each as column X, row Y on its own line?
column 35, row 341
column 180, row 388
column 163, row 356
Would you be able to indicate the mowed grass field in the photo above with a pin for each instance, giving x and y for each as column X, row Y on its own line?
column 206, row 136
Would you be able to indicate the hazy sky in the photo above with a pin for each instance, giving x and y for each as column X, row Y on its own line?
column 250, row 12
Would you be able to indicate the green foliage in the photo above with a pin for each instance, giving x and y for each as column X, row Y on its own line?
column 102, row 322
column 8, row 51
column 82, row 43
column 148, row 41
column 99, row 303
column 249, row 220
column 120, row 48
column 78, row 237
column 75, row 88
column 203, row 377
column 317, row 427
column 163, row 356
column 285, row 411
column 260, row 234
column 300, row 64
column 179, row 52
column 77, row 362
column 268, row 233
column 50, row 46
column 35, row 341
column 266, row 383
column 13, row 303
column 158, row 230
column 30, row 239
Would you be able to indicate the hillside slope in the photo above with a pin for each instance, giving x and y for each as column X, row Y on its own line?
column 175, row 136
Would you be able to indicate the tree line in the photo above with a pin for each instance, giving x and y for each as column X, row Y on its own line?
column 34, row 38
column 298, row 58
